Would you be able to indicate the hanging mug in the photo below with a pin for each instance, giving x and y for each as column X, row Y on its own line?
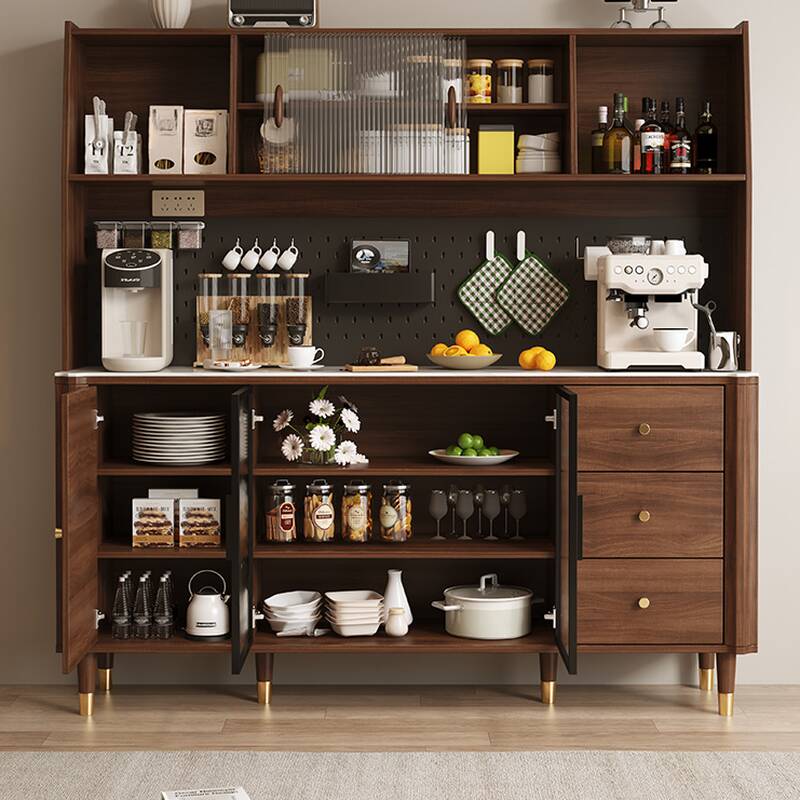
column 251, row 257
column 233, row 257
column 288, row 257
column 270, row 257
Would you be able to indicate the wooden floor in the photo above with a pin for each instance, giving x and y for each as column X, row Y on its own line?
column 399, row 718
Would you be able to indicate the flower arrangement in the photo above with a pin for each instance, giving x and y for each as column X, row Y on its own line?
column 321, row 437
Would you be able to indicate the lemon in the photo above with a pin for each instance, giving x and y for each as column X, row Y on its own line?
column 438, row 349
column 545, row 361
column 481, row 350
column 455, row 350
column 527, row 358
column 467, row 339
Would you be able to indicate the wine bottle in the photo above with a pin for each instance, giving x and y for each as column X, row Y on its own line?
column 652, row 138
column 705, row 143
column 618, row 142
column 680, row 142
column 597, row 139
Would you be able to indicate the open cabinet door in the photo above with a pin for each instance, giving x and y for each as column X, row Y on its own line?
column 240, row 528
column 567, row 527
column 80, row 524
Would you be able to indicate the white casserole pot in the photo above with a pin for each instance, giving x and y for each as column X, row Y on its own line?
column 487, row 611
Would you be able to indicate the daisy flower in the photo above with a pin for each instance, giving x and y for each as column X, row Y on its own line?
column 282, row 420
column 322, row 438
column 350, row 420
column 321, row 408
column 292, row 447
column 345, row 453
column 360, row 458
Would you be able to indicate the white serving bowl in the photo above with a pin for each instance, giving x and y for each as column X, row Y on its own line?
column 293, row 620
column 366, row 629
column 354, row 619
column 304, row 625
column 465, row 362
column 355, row 598
column 297, row 599
column 355, row 613
column 295, row 611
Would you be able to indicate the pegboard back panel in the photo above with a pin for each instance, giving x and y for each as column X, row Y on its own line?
column 452, row 247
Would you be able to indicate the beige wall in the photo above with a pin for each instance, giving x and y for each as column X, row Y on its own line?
column 30, row 66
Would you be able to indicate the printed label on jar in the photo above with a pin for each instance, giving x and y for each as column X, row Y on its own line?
column 286, row 517
column 356, row 517
column 652, row 140
column 323, row 516
column 388, row 516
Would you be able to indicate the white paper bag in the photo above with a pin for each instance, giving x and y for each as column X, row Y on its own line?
column 127, row 154
column 205, row 142
column 165, row 140
column 97, row 160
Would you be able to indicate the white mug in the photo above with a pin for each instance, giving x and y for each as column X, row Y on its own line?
column 673, row 340
column 305, row 356
column 270, row 257
column 657, row 247
column 233, row 257
column 288, row 257
column 674, row 247
column 251, row 257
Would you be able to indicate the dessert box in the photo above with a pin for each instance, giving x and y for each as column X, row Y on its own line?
column 153, row 522
column 199, row 523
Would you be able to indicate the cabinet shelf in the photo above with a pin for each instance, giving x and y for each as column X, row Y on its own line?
column 177, row 643
column 109, row 551
column 126, row 468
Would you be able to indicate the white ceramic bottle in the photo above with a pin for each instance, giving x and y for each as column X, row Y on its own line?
column 396, row 624
column 395, row 595
column 170, row 13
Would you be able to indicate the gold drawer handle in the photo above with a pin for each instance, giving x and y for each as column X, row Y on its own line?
column 644, row 429
column 644, row 515
column 644, row 602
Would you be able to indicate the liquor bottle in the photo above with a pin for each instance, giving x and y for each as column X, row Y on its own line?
column 142, row 611
column 162, row 611
column 625, row 118
column 652, row 137
column 664, row 118
column 680, row 142
column 597, row 139
column 705, row 143
column 637, row 145
column 121, row 612
column 618, row 142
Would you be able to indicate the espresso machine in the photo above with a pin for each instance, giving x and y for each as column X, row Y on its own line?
column 645, row 312
column 136, row 309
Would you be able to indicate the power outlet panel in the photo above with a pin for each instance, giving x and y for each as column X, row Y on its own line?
column 179, row 203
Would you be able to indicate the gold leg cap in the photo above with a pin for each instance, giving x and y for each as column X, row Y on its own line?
column 548, row 691
column 726, row 704
column 264, row 692
column 104, row 678
column 707, row 680
column 86, row 704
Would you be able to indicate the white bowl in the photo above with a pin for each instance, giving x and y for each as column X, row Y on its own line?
column 354, row 618
column 474, row 461
column 355, row 598
column 465, row 362
column 305, row 626
column 294, row 611
column 304, row 618
column 286, row 600
column 367, row 629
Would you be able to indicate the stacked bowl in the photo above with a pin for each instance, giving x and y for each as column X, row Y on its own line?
column 293, row 613
column 354, row 613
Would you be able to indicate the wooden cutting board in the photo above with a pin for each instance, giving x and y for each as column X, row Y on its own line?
column 382, row 368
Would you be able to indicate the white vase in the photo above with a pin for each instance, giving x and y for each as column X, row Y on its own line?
column 394, row 595
column 396, row 624
column 170, row 13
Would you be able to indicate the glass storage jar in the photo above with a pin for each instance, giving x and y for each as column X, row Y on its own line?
column 395, row 512
column 479, row 80
column 190, row 235
column 281, row 524
column 540, row 80
column 318, row 517
column 161, row 235
column 107, row 234
column 509, row 80
column 298, row 306
column 133, row 234
column 207, row 301
column 267, row 308
column 239, row 306
column 357, row 512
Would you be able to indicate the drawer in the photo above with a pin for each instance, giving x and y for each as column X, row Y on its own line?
column 683, row 599
column 652, row 515
column 650, row 428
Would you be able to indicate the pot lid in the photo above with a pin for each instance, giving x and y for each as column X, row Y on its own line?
column 488, row 589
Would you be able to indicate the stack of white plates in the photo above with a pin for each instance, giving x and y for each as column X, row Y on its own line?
column 293, row 613
column 354, row 613
column 178, row 438
column 539, row 153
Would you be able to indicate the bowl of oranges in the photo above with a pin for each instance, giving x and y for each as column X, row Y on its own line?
column 467, row 352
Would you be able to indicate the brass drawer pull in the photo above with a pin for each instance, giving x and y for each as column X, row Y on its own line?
column 644, row 602
column 644, row 515
column 644, row 429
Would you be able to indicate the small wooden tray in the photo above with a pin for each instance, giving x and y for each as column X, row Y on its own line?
column 382, row 368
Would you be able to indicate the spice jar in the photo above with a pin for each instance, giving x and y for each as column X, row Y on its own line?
column 318, row 519
column 133, row 234
column 207, row 301
column 298, row 304
column 540, row 80
column 267, row 308
column 190, row 235
column 161, row 235
column 479, row 80
column 107, row 234
column 395, row 513
column 509, row 80
column 239, row 306
column 357, row 512
column 281, row 526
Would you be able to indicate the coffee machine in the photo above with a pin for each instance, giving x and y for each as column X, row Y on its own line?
column 645, row 312
column 136, row 309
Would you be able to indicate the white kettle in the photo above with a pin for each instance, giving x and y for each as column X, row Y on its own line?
column 208, row 615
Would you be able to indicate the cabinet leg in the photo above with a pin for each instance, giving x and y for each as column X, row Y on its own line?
column 548, row 669
column 706, row 664
column 264, row 665
column 105, row 663
column 87, row 681
column 726, row 681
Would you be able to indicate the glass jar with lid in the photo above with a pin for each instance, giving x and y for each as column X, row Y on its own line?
column 479, row 80
column 281, row 524
column 318, row 517
column 239, row 306
column 509, row 80
column 357, row 512
column 540, row 80
column 207, row 301
column 395, row 512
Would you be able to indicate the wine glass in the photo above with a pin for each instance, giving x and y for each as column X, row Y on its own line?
column 479, row 502
column 438, row 510
column 491, row 510
column 505, row 499
column 518, row 507
column 452, row 496
column 465, row 508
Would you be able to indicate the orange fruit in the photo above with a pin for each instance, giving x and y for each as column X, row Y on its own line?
column 467, row 339
column 455, row 350
column 481, row 350
column 545, row 361
column 438, row 349
column 527, row 358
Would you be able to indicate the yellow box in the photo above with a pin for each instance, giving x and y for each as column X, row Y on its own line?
column 496, row 150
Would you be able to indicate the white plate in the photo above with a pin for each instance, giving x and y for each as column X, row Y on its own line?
column 177, row 418
column 464, row 362
column 167, row 446
column 157, row 427
column 176, row 462
column 231, row 367
column 474, row 461
column 369, row 629
column 175, row 452
column 301, row 369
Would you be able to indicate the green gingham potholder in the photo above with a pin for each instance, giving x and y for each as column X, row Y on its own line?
column 532, row 295
column 478, row 294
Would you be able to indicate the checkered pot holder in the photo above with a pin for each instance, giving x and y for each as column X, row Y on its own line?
column 531, row 295
column 478, row 294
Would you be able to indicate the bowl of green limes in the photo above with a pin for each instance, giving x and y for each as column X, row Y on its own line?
column 471, row 450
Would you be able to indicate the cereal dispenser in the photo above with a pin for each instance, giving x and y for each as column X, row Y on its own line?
column 298, row 308
column 239, row 306
column 267, row 308
column 207, row 301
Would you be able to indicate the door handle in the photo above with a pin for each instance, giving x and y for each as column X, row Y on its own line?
column 451, row 107
column 277, row 111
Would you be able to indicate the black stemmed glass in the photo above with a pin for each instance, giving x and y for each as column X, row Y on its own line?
column 465, row 508
column 452, row 496
column 517, row 507
column 479, row 490
column 505, row 499
column 438, row 510
column 491, row 510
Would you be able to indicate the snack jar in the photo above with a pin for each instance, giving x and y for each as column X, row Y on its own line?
column 318, row 519
column 395, row 512
column 509, row 80
column 540, row 80
column 281, row 525
column 479, row 80
column 357, row 512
